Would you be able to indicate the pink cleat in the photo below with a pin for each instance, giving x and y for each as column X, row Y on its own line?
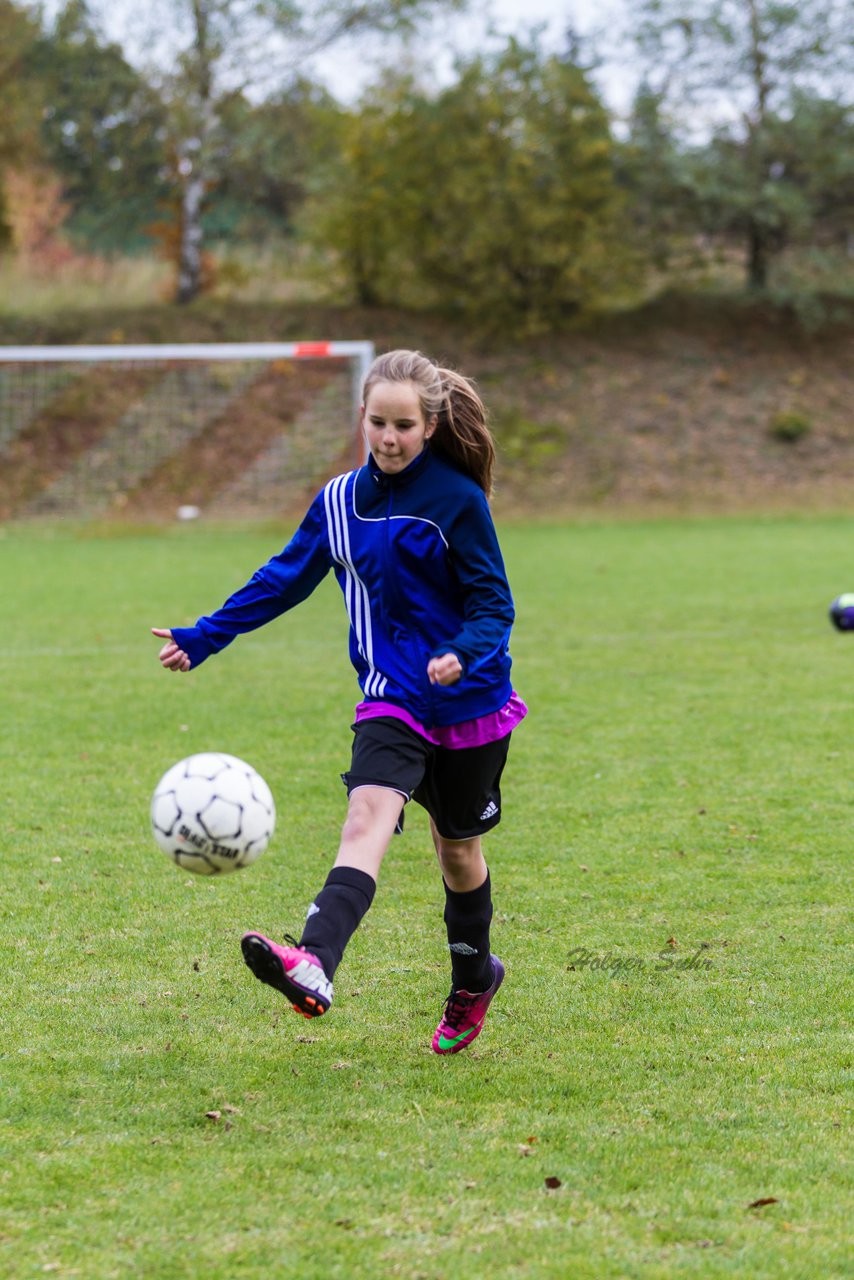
column 296, row 973
column 464, row 1014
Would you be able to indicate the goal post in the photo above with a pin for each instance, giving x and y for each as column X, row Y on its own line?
column 225, row 427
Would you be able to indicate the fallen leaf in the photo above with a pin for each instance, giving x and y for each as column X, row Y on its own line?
column 553, row 1183
column 213, row 1115
column 671, row 942
column 760, row 1203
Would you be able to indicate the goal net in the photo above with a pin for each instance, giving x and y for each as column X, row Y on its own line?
column 219, row 429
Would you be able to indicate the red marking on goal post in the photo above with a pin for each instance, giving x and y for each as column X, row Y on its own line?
column 305, row 350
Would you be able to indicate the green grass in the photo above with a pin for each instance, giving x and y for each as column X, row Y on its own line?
column 685, row 774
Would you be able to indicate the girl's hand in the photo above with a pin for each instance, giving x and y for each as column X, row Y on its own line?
column 171, row 657
column 444, row 670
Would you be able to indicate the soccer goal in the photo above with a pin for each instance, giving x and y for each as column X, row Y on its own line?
column 219, row 429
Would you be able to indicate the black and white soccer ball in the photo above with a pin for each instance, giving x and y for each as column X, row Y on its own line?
column 212, row 813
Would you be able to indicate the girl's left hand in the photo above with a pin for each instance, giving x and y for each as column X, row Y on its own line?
column 444, row 670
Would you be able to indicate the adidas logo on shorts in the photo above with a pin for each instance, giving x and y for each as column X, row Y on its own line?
column 490, row 811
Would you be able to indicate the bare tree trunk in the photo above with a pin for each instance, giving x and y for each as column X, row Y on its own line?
column 195, row 160
column 757, row 236
column 190, row 253
column 757, row 255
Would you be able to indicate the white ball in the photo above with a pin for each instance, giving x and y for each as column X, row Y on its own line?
column 212, row 813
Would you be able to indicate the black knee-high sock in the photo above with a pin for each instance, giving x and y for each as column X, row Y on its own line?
column 468, row 917
column 335, row 915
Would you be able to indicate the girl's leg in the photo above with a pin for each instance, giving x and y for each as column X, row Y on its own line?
column 462, row 862
column 372, row 815
column 468, row 910
column 304, row 973
column 338, row 909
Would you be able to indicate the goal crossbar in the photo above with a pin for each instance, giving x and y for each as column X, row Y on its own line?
column 361, row 353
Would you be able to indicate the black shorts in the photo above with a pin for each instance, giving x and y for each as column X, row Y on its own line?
column 459, row 789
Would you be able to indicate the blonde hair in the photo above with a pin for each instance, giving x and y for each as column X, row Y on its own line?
column 461, row 432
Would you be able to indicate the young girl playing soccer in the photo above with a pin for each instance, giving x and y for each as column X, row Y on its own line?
column 411, row 541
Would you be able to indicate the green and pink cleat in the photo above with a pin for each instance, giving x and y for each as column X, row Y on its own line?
column 464, row 1014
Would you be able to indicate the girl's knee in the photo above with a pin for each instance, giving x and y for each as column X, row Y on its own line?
column 370, row 809
column 360, row 818
column 457, row 855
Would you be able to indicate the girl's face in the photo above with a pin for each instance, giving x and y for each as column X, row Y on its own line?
column 394, row 425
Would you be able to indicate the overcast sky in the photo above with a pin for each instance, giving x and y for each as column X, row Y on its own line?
column 347, row 69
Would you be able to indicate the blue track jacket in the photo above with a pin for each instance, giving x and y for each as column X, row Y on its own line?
column 418, row 561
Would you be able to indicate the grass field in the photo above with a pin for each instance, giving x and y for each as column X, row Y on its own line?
column 678, row 807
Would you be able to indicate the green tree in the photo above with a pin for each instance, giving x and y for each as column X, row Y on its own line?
column 496, row 198
column 735, row 68
column 814, row 150
column 661, row 202
column 102, row 130
column 359, row 197
column 225, row 48
column 273, row 150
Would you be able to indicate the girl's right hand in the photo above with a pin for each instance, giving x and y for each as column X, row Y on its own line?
column 171, row 657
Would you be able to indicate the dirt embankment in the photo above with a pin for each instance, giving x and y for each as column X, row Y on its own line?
column 683, row 404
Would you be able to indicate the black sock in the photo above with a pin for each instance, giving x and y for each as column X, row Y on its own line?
column 468, row 916
column 335, row 915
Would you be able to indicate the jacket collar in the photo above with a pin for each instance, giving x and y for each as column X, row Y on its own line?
column 403, row 478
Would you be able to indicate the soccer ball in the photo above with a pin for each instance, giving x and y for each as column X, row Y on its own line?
column 212, row 813
column 842, row 612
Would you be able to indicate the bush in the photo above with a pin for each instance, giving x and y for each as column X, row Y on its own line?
column 789, row 425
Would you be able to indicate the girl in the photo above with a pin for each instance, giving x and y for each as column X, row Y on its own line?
column 411, row 541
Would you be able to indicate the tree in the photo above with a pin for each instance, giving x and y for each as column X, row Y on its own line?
column 495, row 198
column 225, row 48
column 274, row 148
column 740, row 65
column 102, row 130
column 358, row 192
column 661, row 203
column 815, row 154
column 21, row 97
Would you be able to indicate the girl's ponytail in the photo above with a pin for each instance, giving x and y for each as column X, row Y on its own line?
column 462, row 433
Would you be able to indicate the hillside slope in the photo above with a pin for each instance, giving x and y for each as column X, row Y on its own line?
column 680, row 405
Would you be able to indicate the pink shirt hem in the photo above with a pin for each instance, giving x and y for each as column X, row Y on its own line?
column 456, row 737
